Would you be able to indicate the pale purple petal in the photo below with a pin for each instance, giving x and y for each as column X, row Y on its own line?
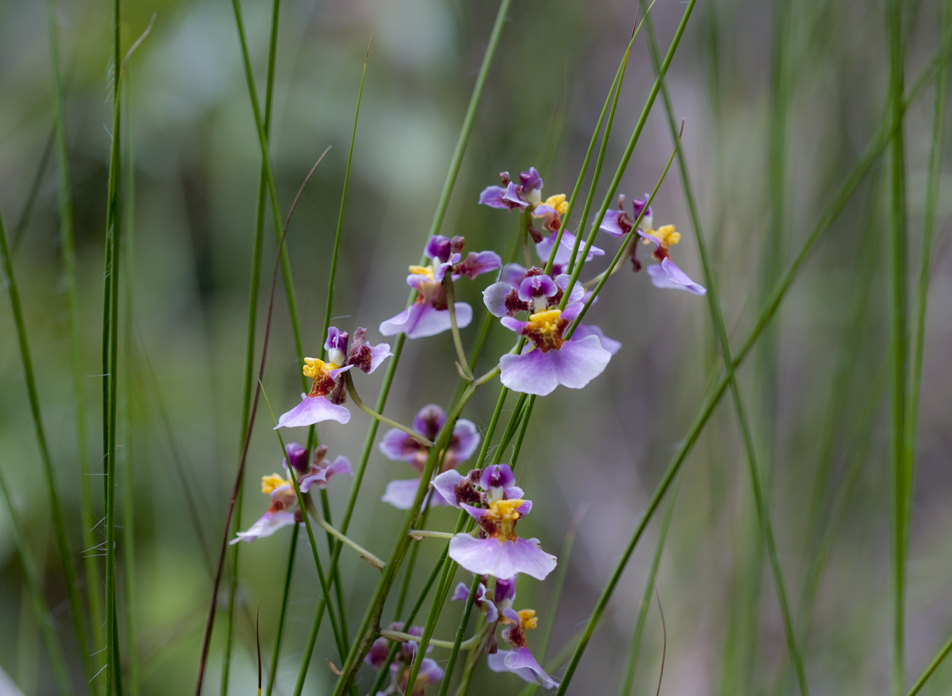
column 531, row 181
column 465, row 440
column 501, row 559
column 313, row 410
column 320, row 475
column 474, row 512
column 574, row 365
column 401, row 494
column 493, row 197
column 441, row 269
column 395, row 446
column 610, row 224
column 578, row 292
column 296, row 455
column 505, row 589
column 525, row 508
column 445, row 485
column 477, row 263
column 513, row 324
column 339, row 371
column 266, row 525
column 537, row 286
column 511, row 197
column 639, row 205
column 571, row 312
column 497, row 476
column 584, row 330
column 336, row 345
column 461, row 593
column 512, row 273
column 494, row 297
column 564, row 253
column 522, row 663
column 650, row 237
column 379, row 652
column 430, row 673
column 438, row 247
column 421, row 320
column 429, row 420
column 378, row 354
column 668, row 275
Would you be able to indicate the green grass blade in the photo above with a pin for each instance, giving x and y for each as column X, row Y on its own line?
column 946, row 649
column 276, row 653
column 65, row 199
column 635, row 651
column 35, row 589
column 717, row 318
column 248, row 378
column 56, row 511
column 899, row 332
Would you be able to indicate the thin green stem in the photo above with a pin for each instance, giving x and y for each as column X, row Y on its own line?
column 72, row 303
column 276, row 652
column 383, row 419
column 56, row 512
column 717, row 318
column 35, row 588
column 898, row 341
column 635, row 651
column 629, row 149
column 458, row 643
column 248, row 378
column 937, row 660
column 829, row 214
column 302, row 503
column 347, row 541
column 463, row 363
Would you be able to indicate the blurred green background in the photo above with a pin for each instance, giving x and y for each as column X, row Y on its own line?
column 815, row 391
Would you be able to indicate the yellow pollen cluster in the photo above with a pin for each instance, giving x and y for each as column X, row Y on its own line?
column 527, row 619
column 426, row 271
column 315, row 368
column 667, row 235
column 558, row 203
column 505, row 511
column 269, row 483
column 546, row 322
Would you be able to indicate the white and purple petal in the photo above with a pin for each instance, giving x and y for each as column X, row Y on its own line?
column 578, row 292
column 266, row 525
column 573, row 365
column 320, row 475
column 494, row 297
column 421, row 320
column 445, row 485
column 401, row 494
column 311, row 410
column 477, row 263
column 493, row 197
column 336, row 345
column 465, row 440
column 522, row 663
column 501, row 559
column 668, row 275
column 513, row 324
column 585, row 330
column 512, row 273
column 611, row 223
column 397, row 446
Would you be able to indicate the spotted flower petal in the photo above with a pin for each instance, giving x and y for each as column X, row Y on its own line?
column 312, row 410
column 501, row 559
column 614, row 223
column 477, row 263
column 319, row 475
column 520, row 662
column 461, row 594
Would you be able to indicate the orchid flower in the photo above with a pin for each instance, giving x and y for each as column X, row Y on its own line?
column 328, row 393
column 665, row 275
column 429, row 314
column 430, row 671
column 399, row 446
column 520, row 660
column 491, row 497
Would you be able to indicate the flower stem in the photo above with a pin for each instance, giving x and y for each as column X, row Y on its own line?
column 421, row 533
column 463, row 364
column 406, row 637
column 276, row 652
column 383, row 419
column 344, row 539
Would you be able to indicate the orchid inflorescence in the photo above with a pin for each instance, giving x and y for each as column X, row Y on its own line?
column 542, row 304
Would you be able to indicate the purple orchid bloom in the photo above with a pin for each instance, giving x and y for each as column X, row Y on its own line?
column 498, row 550
column 284, row 510
column 328, row 393
column 667, row 274
column 430, row 672
column 429, row 314
column 398, row 446
column 509, row 196
column 550, row 360
column 564, row 252
column 618, row 224
column 482, row 598
column 319, row 471
column 519, row 661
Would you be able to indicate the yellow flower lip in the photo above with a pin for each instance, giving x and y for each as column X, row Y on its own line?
column 558, row 203
column 269, row 483
column 426, row 271
column 545, row 321
column 527, row 619
column 315, row 368
column 667, row 235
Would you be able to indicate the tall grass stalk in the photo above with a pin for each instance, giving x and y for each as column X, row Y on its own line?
column 248, row 376
column 34, row 586
column 825, row 221
column 635, row 650
column 282, row 615
column 128, row 475
column 899, row 332
column 717, row 318
column 68, row 249
column 56, row 511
